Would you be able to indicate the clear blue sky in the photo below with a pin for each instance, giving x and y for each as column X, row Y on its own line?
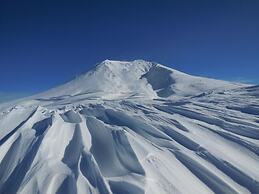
column 44, row 43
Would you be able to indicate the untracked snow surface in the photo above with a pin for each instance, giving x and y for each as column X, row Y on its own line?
column 132, row 128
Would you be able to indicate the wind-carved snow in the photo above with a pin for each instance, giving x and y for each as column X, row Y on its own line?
column 132, row 127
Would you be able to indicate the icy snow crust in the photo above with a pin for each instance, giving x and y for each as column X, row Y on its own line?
column 132, row 128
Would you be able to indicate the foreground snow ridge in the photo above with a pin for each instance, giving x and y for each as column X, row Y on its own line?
column 131, row 128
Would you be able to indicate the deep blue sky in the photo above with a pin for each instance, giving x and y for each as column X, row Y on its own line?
column 44, row 43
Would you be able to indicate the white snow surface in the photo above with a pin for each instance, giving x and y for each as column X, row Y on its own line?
column 132, row 127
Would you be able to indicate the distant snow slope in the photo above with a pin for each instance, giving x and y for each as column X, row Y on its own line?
column 131, row 128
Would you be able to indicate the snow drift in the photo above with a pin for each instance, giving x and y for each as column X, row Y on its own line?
column 132, row 127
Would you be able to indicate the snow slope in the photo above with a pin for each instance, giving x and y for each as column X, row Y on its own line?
column 132, row 127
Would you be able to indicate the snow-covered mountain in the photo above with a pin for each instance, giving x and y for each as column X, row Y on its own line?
column 120, row 79
column 131, row 128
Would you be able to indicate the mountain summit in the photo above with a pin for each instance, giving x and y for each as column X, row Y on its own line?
column 132, row 128
column 139, row 78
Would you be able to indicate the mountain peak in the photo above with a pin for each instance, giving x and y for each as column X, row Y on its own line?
column 139, row 64
column 112, row 79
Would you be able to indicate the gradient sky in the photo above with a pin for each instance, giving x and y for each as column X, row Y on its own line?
column 44, row 43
